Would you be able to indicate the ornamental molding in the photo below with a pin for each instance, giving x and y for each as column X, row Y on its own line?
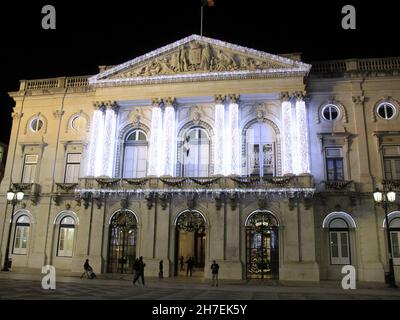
column 197, row 58
column 343, row 115
column 385, row 99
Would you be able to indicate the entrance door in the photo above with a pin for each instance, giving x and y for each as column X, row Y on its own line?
column 262, row 250
column 122, row 242
column 190, row 242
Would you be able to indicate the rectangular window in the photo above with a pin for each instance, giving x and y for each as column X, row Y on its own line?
column 72, row 168
column 339, row 247
column 391, row 162
column 334, row 164
column 21, row 240
column 66, row 242
column 29, row 170
column 395, row 237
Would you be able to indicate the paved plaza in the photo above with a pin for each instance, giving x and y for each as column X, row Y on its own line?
column 19, row 286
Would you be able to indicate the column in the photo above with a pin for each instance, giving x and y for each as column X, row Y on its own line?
column 155, row 140
column 287, row 125
column 232, row 141
column 302, row 165
column 95, row 148
column 169, row 138
column 110, row 128
column 219, row 135
column 100, row 158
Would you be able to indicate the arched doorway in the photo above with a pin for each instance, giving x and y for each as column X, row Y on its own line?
column 190, row 242
column 262, row 246
column 122, row 242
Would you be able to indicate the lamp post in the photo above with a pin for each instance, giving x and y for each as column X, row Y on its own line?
column 13, row 197
column 385, row 199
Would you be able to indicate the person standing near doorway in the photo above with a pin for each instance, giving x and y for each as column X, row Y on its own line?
column 214, row 271
column 182, row 261
column 189, row 269
column 141, row 268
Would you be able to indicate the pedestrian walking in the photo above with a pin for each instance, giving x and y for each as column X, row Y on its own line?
column 214, row 271
column 141, row 269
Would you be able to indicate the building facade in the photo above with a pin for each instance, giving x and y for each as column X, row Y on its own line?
column 208, row 150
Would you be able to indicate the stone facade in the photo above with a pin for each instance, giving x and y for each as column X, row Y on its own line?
column 200, row 83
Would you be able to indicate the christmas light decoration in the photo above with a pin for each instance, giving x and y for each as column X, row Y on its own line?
column 219, row 139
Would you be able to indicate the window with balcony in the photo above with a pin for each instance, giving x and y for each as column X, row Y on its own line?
column 196, row 153
column 391, row 162
column 260, row 141
column 29, row 169
column 334, row 164
column 135, row 155
column 72, row 168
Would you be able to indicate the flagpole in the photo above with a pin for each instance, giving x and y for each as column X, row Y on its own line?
column 201, row 21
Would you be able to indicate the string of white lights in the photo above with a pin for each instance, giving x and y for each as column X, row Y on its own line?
column 155, row 142
column 219, row 139
column 302, row 144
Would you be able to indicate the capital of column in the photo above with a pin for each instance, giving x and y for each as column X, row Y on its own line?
column 156, row 102
column 58, row 114
column 169, row 102
column 219, row 99
column 112, row 105
column 99, row 106
column 299, row 96
column 17, row 115
column 284, row 96
column 358, row 100
column 234, row 98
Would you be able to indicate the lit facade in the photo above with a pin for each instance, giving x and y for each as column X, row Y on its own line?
column 209, row 150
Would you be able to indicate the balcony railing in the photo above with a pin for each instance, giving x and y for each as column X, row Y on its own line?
column 355, row 65
column 392, row 184
column 55, row 83
column 185, row 183
column 347, row 186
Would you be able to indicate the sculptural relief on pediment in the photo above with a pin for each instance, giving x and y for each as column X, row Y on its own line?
column 197, row 57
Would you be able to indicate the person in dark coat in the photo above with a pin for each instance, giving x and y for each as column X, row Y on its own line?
column 161, row 272
column 141, row 269
column 182, row 261
column 189, row 269
column 87, row 269
column 214, row 271
column 136, row 270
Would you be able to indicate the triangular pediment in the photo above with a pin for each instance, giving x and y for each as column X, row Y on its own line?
column 199, row 58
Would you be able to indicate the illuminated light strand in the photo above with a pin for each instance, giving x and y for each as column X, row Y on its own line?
column 168, row 142
column 155, row 160
column 294, row 147
column 282, row 192
column 108, row 142
column 92, row 149
column 219, row 139
column 233, row 138
column 302, row 144
column 287, row 137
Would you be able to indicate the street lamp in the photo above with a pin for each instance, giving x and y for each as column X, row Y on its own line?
column 13, row 198
column 385, row 199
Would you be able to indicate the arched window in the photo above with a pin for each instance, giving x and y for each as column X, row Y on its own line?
column 260, row 144
column 196, row 153
column 21, row 235
column 66, row 237
column 394, row 228
column 339, row 242
column 135, row 155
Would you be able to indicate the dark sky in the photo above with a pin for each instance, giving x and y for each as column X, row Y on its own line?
column 90, row 34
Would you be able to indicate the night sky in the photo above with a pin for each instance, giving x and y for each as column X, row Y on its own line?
column 90, row 34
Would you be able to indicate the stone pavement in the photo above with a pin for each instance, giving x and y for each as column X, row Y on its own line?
column 28, row 286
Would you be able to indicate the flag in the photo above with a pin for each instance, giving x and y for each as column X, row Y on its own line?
column 207, row 3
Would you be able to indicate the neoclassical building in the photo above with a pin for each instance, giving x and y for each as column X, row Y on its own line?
column 208, row 150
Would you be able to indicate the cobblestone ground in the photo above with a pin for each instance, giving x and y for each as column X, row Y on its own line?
column 18, row 287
